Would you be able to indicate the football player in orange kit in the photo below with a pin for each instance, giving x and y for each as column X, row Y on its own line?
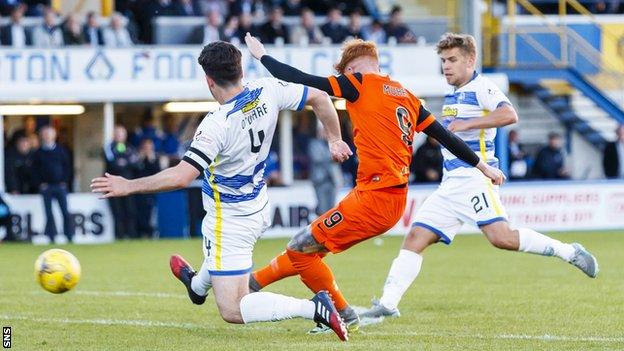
column 385, row 117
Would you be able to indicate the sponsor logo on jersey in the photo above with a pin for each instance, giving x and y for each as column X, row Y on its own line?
column 250, row 106
column 449, row 112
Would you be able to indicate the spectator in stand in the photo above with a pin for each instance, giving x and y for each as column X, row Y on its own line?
column 210, row 32
column 147, row 13
column 72, row 33
column 272, row 174
column 307, row 32
column 245, row 24
column 325, row 175
column 121, row 159
column 147, row 130
column 426, row 165
column 170, row 141
column 613, row 160
column 49, row 34
column 147, row 165
column 292, row 7
column 116, row 35
column 8, row 6
column 230, row 30
column 15, row 34
column 375, row 33
column 334, row 29
column 52, row 171
column 549, row 163
column 29, row 130
column 92, row 31
column 518, row 165
column 36, row 8
column 355, row 24
column 190, row 8
column 274, row 28
column 396, row 27
column 248, row 7
column 18, row 170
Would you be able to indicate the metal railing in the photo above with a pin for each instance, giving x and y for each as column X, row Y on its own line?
column 572, row 50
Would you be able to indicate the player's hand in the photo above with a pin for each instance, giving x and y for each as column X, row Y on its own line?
column 255, row 46
column 110, row 186
column 496, row 175
column 458, row 126
column 339, row 150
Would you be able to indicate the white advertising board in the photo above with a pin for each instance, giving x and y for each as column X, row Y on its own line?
column 91, row 217
column 169, row 73
column 545, row 206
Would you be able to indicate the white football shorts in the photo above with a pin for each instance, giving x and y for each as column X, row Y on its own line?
column 469, row 199
column 229, row 240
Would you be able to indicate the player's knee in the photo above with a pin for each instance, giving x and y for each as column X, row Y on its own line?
column 502, row 241
column 417, row 240
column 231, row 314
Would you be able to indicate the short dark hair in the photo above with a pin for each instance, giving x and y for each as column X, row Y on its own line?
column 221, row 62
column 554, row 135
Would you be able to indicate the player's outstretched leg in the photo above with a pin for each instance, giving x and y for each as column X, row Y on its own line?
column 403, row 271
column 191, row 280
column 528, row 240
column 279, row 268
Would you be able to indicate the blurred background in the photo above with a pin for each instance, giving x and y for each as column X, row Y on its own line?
column 88, row 86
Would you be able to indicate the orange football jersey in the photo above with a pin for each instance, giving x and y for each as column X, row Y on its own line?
column 385, row 117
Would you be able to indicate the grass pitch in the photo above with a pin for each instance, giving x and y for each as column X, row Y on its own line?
column 469, row 296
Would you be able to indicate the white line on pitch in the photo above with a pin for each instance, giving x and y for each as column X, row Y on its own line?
column 122, row 294
column 545, row 337
column 158, row 324
column 138, row 323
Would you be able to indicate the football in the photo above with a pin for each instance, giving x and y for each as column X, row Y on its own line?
column 57, row 271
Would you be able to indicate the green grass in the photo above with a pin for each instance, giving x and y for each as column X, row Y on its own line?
column 469, row 296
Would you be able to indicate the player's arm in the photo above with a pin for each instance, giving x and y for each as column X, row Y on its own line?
column 503, row 115
column 326, row 113
column 462, row 151
column 341, row 87
column 172, row 178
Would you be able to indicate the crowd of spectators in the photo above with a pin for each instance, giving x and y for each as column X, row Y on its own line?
column 335, row 29
column 54, row 32
column 227, row 20
column 548, row 162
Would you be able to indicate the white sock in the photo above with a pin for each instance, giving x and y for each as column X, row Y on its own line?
column 201, row 282
column 270, row 307
column 537, row 243
column 404, row 270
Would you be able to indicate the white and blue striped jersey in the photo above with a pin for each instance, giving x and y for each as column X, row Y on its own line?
column 473, row 100
column 232, row 143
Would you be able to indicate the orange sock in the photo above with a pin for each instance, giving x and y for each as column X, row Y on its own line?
column 316, row 275
column 279, row 268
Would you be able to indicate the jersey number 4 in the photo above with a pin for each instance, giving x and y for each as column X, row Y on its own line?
column 256, row 148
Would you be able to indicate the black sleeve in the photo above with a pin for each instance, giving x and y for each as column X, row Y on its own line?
column 290, row 74
column 347, row 90
column 423, row 113
column 452, row 143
